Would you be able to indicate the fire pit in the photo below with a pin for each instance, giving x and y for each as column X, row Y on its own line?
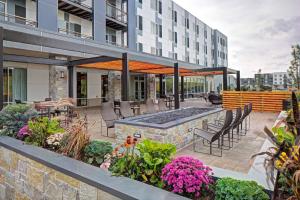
column 168, row 127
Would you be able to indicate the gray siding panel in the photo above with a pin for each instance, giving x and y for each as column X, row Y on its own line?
column 99, row 22
column 132, row 25
column 47, row 14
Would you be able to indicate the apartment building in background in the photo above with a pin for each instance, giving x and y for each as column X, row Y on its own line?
column 90, row 27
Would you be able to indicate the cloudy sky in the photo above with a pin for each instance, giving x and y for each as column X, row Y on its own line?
column 260, row 32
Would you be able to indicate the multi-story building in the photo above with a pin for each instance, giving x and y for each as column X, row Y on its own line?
column 247, row 83
column 281, row 80
column 264, row 79
column 50, row 31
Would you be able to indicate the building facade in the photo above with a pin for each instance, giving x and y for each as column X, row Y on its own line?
column 156, row 27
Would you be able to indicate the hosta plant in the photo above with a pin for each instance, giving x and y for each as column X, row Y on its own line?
column 15, row 116
column 231, row 189
column 187, row 176
column 95, row 152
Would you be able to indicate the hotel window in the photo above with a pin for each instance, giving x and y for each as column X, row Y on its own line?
column 205, row 49
column 159, row 7
column 140, row 47
column 175, row 37
column 175, row 16
column 153, row 50
column 141, row 1
column 159, row 30
column 205, row 34
column 197, row 46
column 187, row 42
column 140, row 23
column 153, row 28
column 175, row 56
column 187, row 23
column 197, row 29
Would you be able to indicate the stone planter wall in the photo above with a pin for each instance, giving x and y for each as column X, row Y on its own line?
column 28, row 172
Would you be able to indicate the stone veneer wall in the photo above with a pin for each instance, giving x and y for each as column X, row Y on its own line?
column 29, row 172
column 178, row 135
column 23, row 178
column 58, row 87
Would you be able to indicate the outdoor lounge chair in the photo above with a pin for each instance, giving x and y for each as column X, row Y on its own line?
column 125, row 109
column 215, row 99
column 108, row 115
column 243, row 121
column 150, row 106
column 210, row 136
column 162, row 105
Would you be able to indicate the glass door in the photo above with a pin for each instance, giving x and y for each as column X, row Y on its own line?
column 139, row 88
column 81, row 89
column 104, row 88
column 7, row 83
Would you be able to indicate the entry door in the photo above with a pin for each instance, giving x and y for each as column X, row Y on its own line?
column 81, row 89
column 104, row 88
column 139, row 88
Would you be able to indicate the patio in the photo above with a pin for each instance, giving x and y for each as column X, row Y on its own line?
column 236, row 159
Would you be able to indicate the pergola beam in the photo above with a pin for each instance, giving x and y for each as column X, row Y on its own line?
column 93, row 60
column 1, row 70
column 125, row 77
column 182, row 89
column 225, row 73
column 176, row 86
column 71, row 75
column 161, row 89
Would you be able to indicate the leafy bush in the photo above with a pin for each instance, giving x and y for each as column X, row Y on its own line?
column 95, row 152
column 231, row 189
column 143, row 161
column 41, row 129
column 187, row 176
column 13, row 117
column 154, row 156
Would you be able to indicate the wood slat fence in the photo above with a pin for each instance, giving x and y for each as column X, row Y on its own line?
column 262, row 101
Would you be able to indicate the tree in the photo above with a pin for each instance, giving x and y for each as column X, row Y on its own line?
column 294, row 68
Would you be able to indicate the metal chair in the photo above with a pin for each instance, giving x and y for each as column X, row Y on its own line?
column 162, row 105
column 211, row 136
column 108, row 115
column 125, row 109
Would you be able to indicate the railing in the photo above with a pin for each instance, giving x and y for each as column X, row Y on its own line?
column 17, row 19
column 115, row 13
column 262, row 101
column 116, row 44
column 63, row 29
column 79, row 2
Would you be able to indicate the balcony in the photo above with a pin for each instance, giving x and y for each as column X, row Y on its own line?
column 64, row 27
column 76, row 7
column 116, row 18
column 17, row 19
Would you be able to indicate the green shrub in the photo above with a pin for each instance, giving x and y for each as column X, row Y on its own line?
column 95, row 152
column 143, row 162
column 41, row 129
column 13, row 117
column 231, row 189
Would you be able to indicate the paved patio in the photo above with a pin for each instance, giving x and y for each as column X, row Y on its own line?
column 236, row 159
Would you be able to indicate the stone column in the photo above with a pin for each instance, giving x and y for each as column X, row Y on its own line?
column 58, row 82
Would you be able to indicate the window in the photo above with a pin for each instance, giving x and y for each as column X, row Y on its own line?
column 197, row 46
column 205, row 49
column 187, row 23
column 187, row 42
column 197, row 29
column 205, row 34
column 141, row 1
column 153, row 28
column 159, row 30
column 175, row 37
column 153, row 50
column 175, row 16
column 140, row 23
column 159, row 7
column 140, row 47
column 175, row 56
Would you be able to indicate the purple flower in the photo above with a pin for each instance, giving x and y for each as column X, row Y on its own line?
column 23, row 132
column 187, row 175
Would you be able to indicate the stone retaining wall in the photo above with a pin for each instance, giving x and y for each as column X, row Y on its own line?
column 28, row 172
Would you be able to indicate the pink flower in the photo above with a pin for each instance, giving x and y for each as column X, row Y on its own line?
column 105, row 165
column 187, row 175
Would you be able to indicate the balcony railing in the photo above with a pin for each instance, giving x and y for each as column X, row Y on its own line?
column 17, row 19
column 116, row 13
column 64, row 27
column 116, row 44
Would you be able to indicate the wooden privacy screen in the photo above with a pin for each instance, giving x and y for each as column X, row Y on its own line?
column 262, row 101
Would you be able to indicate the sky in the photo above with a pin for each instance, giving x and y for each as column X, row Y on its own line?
column 260, row 32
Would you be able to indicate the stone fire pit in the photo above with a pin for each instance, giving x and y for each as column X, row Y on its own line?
column 168, row 127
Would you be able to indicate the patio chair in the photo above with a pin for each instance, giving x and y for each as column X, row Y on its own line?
column 215, row 99
column 210, row 136
column 243, row 121
column 108, row 115
column 125, row 109
column 162, row 105
column 150, row 106
column 234, row 126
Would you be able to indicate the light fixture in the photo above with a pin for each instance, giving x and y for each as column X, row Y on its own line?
column 62, row 74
